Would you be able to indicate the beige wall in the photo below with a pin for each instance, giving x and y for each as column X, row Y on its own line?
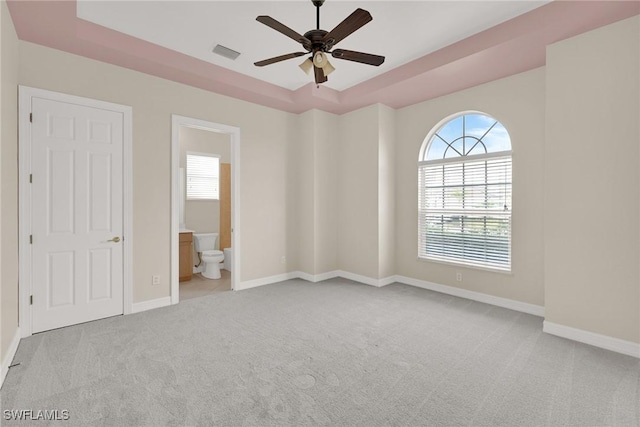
column 592, row 200
column 304, row 177
column 325, row 190
column 315, row 187
column 358, row 192
column 263, row 157
column 386, row 191
column 9, row 180
column 518, row 103
column 366, row 192
column 203, row 216
column 291, row 178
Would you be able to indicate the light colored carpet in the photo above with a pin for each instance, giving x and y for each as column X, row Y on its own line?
column 330, row 353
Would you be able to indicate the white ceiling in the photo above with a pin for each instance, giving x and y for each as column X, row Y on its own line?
column 401, row 30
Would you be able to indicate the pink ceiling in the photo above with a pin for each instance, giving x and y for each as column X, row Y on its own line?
column 512, row 47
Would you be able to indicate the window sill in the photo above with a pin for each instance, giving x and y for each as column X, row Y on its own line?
column 469, row 266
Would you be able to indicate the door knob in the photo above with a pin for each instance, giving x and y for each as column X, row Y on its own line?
column 115, row 239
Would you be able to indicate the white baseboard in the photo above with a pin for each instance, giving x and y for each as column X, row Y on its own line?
column 248, row 284
column 326, row 276
column 316, row 277
column 345, row 275
column 597, row 340
column 305, row 276
column 523, row 307
column 378, row 283
column 387, row 281
column 150, row 304
column 8, row 358
column 536, row 310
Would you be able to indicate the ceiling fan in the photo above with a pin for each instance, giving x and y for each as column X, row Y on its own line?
column 320, row 42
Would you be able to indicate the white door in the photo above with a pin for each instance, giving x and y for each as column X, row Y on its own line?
column 77, row 214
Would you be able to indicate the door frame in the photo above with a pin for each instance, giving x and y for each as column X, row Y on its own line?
column 25, row 96
column 234, row 133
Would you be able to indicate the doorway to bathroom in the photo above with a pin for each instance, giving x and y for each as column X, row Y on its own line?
column 204, row 208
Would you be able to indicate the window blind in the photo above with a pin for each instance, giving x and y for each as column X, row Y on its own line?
column 202, row 177
column 465, row 211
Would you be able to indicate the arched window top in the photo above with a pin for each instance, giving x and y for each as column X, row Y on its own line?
column 466, row 134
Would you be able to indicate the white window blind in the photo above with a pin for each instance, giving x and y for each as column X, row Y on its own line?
column 202, row 177
column 465, row 210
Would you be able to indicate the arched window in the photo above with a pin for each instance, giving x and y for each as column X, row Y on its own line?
column 464, row 201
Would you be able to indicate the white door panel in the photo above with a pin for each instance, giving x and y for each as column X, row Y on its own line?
column 77, row 199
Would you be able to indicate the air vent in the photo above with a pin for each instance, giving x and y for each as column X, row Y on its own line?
column 226, row 52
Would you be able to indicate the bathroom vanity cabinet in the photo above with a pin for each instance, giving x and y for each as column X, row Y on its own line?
column 186, row 256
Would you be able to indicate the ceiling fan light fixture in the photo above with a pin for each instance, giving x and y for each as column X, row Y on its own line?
column 328, row 69
column 319, row 59
column 307, row 65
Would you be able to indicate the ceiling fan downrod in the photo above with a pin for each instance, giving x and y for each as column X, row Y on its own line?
column 317, row 4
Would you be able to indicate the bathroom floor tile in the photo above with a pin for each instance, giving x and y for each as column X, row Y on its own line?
column 200, row 286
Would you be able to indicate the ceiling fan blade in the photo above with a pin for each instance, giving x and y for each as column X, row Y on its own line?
column 280, row 27
column 357, row 19
column 364, row 58
column 319, row 74
column 279, row 58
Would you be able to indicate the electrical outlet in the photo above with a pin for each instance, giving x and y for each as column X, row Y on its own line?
column 155, row 280
column 283, row 260
column 459, row 277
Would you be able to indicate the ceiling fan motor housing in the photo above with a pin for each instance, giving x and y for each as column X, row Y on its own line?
column 317, row 42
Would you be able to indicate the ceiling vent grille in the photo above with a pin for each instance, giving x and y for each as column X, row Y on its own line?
column 226, row 52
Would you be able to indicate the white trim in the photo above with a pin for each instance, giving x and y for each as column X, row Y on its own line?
column 151, row 304
column 378, row 283
column 520, row 306
column 536, row 310
column 8, row 358
column 603, row 341
column 234, row 133
column 314, row 278
column 24, row 194
column 317, row 277
column 248, row 284
column 326, row 276
column 495, row 155
column 463, row 265
column 24, row 209
column 127, row 194
column 523, row 307
column 359, row 278
column 387, row 281
column 200, row 153
column 305, row 276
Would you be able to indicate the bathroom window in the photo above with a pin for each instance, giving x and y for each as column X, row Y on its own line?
column 464, row 193
column 203, row 176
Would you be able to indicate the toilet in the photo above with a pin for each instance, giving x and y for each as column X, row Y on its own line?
column 205, row 244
